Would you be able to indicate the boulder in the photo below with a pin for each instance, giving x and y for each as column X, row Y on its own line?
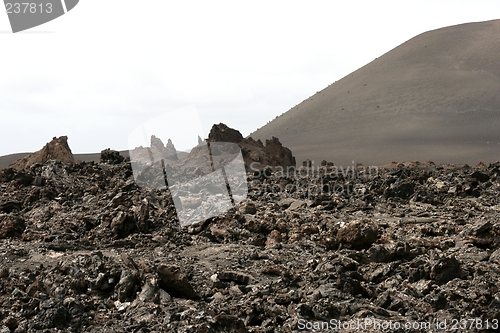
column 277, row 155
column 256, row 155
column 174, row 281
column 111, row 156
column 358, row 235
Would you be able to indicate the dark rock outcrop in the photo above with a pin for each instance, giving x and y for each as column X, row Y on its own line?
column 57, row 149
column 256, row 155
column 223, row 133
column 277, row 155
column 111, row 156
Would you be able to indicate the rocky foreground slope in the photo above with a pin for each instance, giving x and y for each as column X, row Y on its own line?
column 84, row 249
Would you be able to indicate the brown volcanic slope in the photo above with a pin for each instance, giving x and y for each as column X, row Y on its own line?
column 435, row 97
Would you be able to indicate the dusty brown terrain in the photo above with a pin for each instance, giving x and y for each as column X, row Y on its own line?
column 433, row 98
column 255, row 153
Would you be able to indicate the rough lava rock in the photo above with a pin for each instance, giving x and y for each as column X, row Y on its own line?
column 256, row 155
column 111, row 156
column 358, row 235
column 223, row 133
column 11, row 225
column 86, row 249
column 57, row 149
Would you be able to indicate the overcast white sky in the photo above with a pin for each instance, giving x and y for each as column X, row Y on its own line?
column 107, row 66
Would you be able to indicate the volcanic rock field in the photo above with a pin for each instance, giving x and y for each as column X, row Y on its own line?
column 84, row 249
